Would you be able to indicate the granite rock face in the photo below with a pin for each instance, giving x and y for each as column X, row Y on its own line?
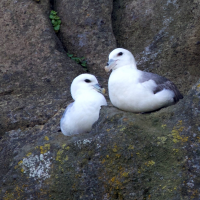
column 35, row 72
column 125, row 156
column 164, row 37
column 87, row 31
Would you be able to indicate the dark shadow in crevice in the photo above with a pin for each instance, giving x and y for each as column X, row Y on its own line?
column 52, row 3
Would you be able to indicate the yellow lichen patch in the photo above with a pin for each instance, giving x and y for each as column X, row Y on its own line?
column 180, row 122
column 176, row 136
column 175, row 140
column 107, row 156
column 66, row 158
column 18, row 190
column 198, row 139
column 125, row 174
column 176, row 133
column 46, row 138
column 162, row 140
column 198, row 86
column 77, row 176
column 42, row 192
column 117, row 179
column 118, row 155
column 122, row 129
column 42, row 150
column 163, row 126
column 28, row 154
column 150, row 163
column 45, row 148
column 20, row 162
column 74, row 186
column 184, row 139
column 59, row 154
column 175, row 150
column 131, row 147
column 194, row 194
column 114, row 148
column 108, row 130
column 63, row 146
column 181, row 129
column 8, row 196
column 67, row 148
column 114, row 181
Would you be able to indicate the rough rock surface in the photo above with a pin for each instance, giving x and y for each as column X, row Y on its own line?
column 164, row 37
column 35, row 72
column 87, row 31
column 125, row 156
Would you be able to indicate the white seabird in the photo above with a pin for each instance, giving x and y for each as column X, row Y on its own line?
column 80, row 115
column 133, row 90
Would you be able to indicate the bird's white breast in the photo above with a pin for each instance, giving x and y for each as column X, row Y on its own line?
column 127, row 93
column 122, row 85
column 83, row 114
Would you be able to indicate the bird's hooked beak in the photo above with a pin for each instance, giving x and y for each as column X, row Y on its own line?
column 110, row 65
column 99, row 89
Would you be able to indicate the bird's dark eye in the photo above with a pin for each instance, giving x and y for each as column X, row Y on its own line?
column 120, row 54
column 87, row 80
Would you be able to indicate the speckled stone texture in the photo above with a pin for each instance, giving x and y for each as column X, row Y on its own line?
column 126, row 156
column 87, row 31
column 35, row 72
column 163, row 35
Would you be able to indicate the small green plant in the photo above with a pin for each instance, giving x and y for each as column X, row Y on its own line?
column 55, row 20
column 80, row 61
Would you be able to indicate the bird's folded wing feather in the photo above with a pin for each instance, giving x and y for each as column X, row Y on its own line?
column 67, row 110
column 162, row 83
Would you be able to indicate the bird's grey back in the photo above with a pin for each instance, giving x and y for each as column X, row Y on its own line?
column 162, row 83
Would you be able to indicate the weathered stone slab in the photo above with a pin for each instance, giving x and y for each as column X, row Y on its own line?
column 35, row 72
column 164, row 37
column 125, row 156
column 87, row 31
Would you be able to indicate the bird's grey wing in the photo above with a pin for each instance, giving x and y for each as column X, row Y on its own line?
column 67, row 110
column 162, row 83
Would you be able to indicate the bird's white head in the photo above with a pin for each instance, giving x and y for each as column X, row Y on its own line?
column 85, row 83
column 120, row 57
